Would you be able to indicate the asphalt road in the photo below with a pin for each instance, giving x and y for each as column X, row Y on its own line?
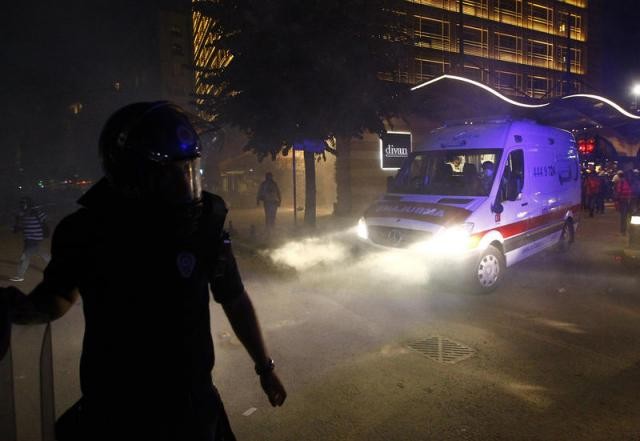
column 553, row 354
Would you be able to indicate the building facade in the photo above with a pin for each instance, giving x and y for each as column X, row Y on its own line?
column 534, row 48
column 206, row 56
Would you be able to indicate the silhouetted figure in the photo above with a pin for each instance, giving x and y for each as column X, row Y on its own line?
column 269, row 194
column 32, row 222
column 624, row 196
column 142, row 252
column 592, row 186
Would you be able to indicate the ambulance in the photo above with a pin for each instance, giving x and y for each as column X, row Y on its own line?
column 479, row 196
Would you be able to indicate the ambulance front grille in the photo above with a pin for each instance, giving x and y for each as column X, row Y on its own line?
column 396, row 237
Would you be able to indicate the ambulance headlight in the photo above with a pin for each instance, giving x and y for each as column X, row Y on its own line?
column 454, row 240
column 635, row 220
column 362, row 230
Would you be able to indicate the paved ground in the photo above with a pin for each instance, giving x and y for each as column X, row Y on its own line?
column 555, row 349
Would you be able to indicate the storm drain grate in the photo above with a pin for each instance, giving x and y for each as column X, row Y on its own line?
column 441, row 349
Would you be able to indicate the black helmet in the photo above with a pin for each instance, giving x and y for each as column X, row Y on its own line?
column 150, row 151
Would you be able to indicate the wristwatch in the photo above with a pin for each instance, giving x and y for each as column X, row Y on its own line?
column 266, row 367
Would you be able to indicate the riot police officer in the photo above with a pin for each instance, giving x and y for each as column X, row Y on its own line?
column 142, row 252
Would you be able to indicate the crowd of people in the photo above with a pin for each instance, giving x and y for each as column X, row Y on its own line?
column 602, row 183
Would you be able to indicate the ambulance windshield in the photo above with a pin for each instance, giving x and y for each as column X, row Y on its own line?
column 448, row 172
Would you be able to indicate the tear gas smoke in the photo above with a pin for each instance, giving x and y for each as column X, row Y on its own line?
column 343, row 255
column 310, row 252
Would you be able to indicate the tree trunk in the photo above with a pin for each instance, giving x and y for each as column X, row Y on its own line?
column 343, row 177
column 309, row 189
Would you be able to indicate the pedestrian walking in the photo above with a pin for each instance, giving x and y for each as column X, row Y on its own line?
column 269, row 194
column 143, row 252
column 31, row 221
column 583, row 189
column 592, row 190
column 624, row 196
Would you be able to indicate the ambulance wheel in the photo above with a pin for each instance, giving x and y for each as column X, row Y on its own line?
column 567, row 236
column 488, row 271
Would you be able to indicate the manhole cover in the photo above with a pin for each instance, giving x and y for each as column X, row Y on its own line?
column 441, row 349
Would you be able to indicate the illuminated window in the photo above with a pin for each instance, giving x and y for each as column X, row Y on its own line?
column 578, row 3
column 475, row 73
column 477, row 8
column 576, row 59
column 509, row 11
column 428, row 69
column 475, row 41
column 432, row 33
column 538, row 87
column 436, row 3
column 540, row 53
column 575, row 26
column 540, row 18
column 508, row 82
column 508, row 47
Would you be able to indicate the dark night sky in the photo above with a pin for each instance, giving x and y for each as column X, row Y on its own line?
column 621, row 47
column 39, row 32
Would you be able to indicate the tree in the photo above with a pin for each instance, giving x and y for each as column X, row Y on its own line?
column 305, row 70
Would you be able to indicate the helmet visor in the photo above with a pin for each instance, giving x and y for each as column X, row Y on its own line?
column 176, row 182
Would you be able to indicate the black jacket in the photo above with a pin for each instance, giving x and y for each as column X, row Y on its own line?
column 145, row 296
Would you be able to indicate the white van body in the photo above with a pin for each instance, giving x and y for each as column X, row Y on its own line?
column 453, row 210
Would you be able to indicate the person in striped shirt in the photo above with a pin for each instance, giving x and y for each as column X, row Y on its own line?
column 32, row 222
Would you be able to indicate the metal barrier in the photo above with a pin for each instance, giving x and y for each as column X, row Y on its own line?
column 8, row 425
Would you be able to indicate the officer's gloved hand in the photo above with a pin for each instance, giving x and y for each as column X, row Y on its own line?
column 273, row 388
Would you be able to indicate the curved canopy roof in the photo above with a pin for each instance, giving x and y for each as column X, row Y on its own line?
column 452, row 97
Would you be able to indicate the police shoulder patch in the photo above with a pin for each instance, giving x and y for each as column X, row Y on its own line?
column 186, row 263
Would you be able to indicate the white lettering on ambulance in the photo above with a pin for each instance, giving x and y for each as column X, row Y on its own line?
column 411, row 209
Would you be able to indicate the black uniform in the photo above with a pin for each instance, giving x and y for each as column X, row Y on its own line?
column 147, row 354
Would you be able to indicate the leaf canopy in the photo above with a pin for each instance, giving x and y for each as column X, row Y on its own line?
column 305, row 69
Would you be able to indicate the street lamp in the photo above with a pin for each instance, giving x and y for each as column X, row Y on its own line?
column 636, row 92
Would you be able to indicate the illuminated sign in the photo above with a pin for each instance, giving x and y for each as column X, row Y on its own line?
column 587, row 146
column 314, row 145
column 394, row 148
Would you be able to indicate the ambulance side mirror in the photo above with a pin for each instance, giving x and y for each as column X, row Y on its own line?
column 497, row 207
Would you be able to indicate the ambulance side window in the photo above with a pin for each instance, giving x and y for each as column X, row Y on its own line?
column 513, row 177
column 568, row 166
